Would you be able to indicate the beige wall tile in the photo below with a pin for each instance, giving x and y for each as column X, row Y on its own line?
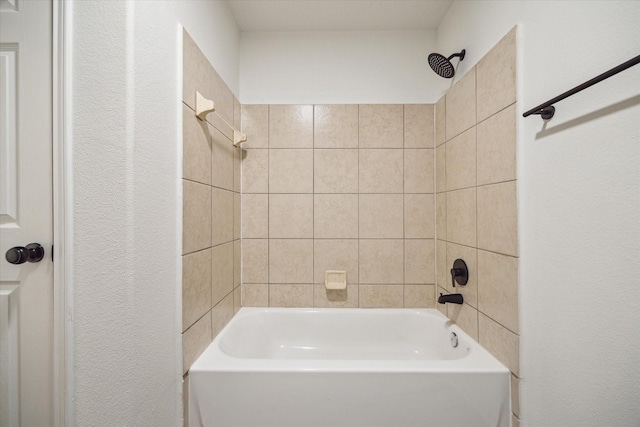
column 497, row 147
column 335, row 254
column 255, row 124
column 196, row 286
column 237, row 262
column 291, row 216
column 219, row 124
column 291, row 295
column 255, row 171
column 195, row 340
column 461, row 216
column 465, row 316
column 255, row 295
column 185, row 401
column 237, row 215
column 335, row 171
column 335, row 126
column 496, row 77
column 221, row 272
column 324, row 298
column 500, row 342
column 442, row 272
column 460, row 113
column 381, row 261
column 381, row 215
column 255, row 216
column 441, row 216
column 196, row 216
column 221, row 216
column 419, row 261
column 237, row 300
column 419, row 216
column 237, row 169
column 461, row 161
column 441, row 169
column 381, row 126
column 338, row 218
column 290, row 171
column 419, row 296
column 498, row 288
column 222, row 160
column 237, row 113
column 442, row 308
column 222, row 96
column 255, row 261
column 381, row 296
column 470, row 257
column 291, row 261
column 335, row 216
column 515, row 395
column 418, row 171
column 196, row 71
column 440, row 129
column 498, row 218
column 196, row 148
column 221, row 314
column 418, row 126
column 290, row 126
column 381, row 171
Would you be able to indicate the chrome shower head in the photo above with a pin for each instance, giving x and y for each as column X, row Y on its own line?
column 443, row 66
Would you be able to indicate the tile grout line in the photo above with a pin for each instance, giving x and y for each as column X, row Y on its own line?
column 436, row 203
column 404, row 242
column 358, row 204
column 268, row 207
column 211, row 237
column 475, row 94
column 313, row 202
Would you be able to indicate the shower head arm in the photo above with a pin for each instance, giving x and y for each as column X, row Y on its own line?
column 458, row 55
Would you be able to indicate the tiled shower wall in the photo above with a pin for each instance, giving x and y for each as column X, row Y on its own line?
column 351, row 187
column 338, row 187
column 211, row 208
column 476, row 202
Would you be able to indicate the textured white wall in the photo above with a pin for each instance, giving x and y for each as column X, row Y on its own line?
column 126, row 313
column 337, row 67
column 579, row 203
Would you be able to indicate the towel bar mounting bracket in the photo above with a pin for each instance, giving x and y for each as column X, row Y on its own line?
column 547, row 112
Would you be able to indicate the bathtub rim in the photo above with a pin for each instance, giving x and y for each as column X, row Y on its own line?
column 214, row 360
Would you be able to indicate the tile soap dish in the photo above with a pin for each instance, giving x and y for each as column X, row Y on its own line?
column 335, row 279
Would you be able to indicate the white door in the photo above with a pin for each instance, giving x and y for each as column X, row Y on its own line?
column 26, row 290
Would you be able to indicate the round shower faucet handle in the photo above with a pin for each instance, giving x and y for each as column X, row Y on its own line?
column 459, row 273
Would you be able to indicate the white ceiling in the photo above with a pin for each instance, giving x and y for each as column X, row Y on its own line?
column 338, row 15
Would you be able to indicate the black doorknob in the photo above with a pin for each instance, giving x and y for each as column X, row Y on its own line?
column 33, row 252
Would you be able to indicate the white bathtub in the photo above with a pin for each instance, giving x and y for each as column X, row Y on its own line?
column 346, row 367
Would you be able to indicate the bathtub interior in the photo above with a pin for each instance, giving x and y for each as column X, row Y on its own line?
column 338, row 334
